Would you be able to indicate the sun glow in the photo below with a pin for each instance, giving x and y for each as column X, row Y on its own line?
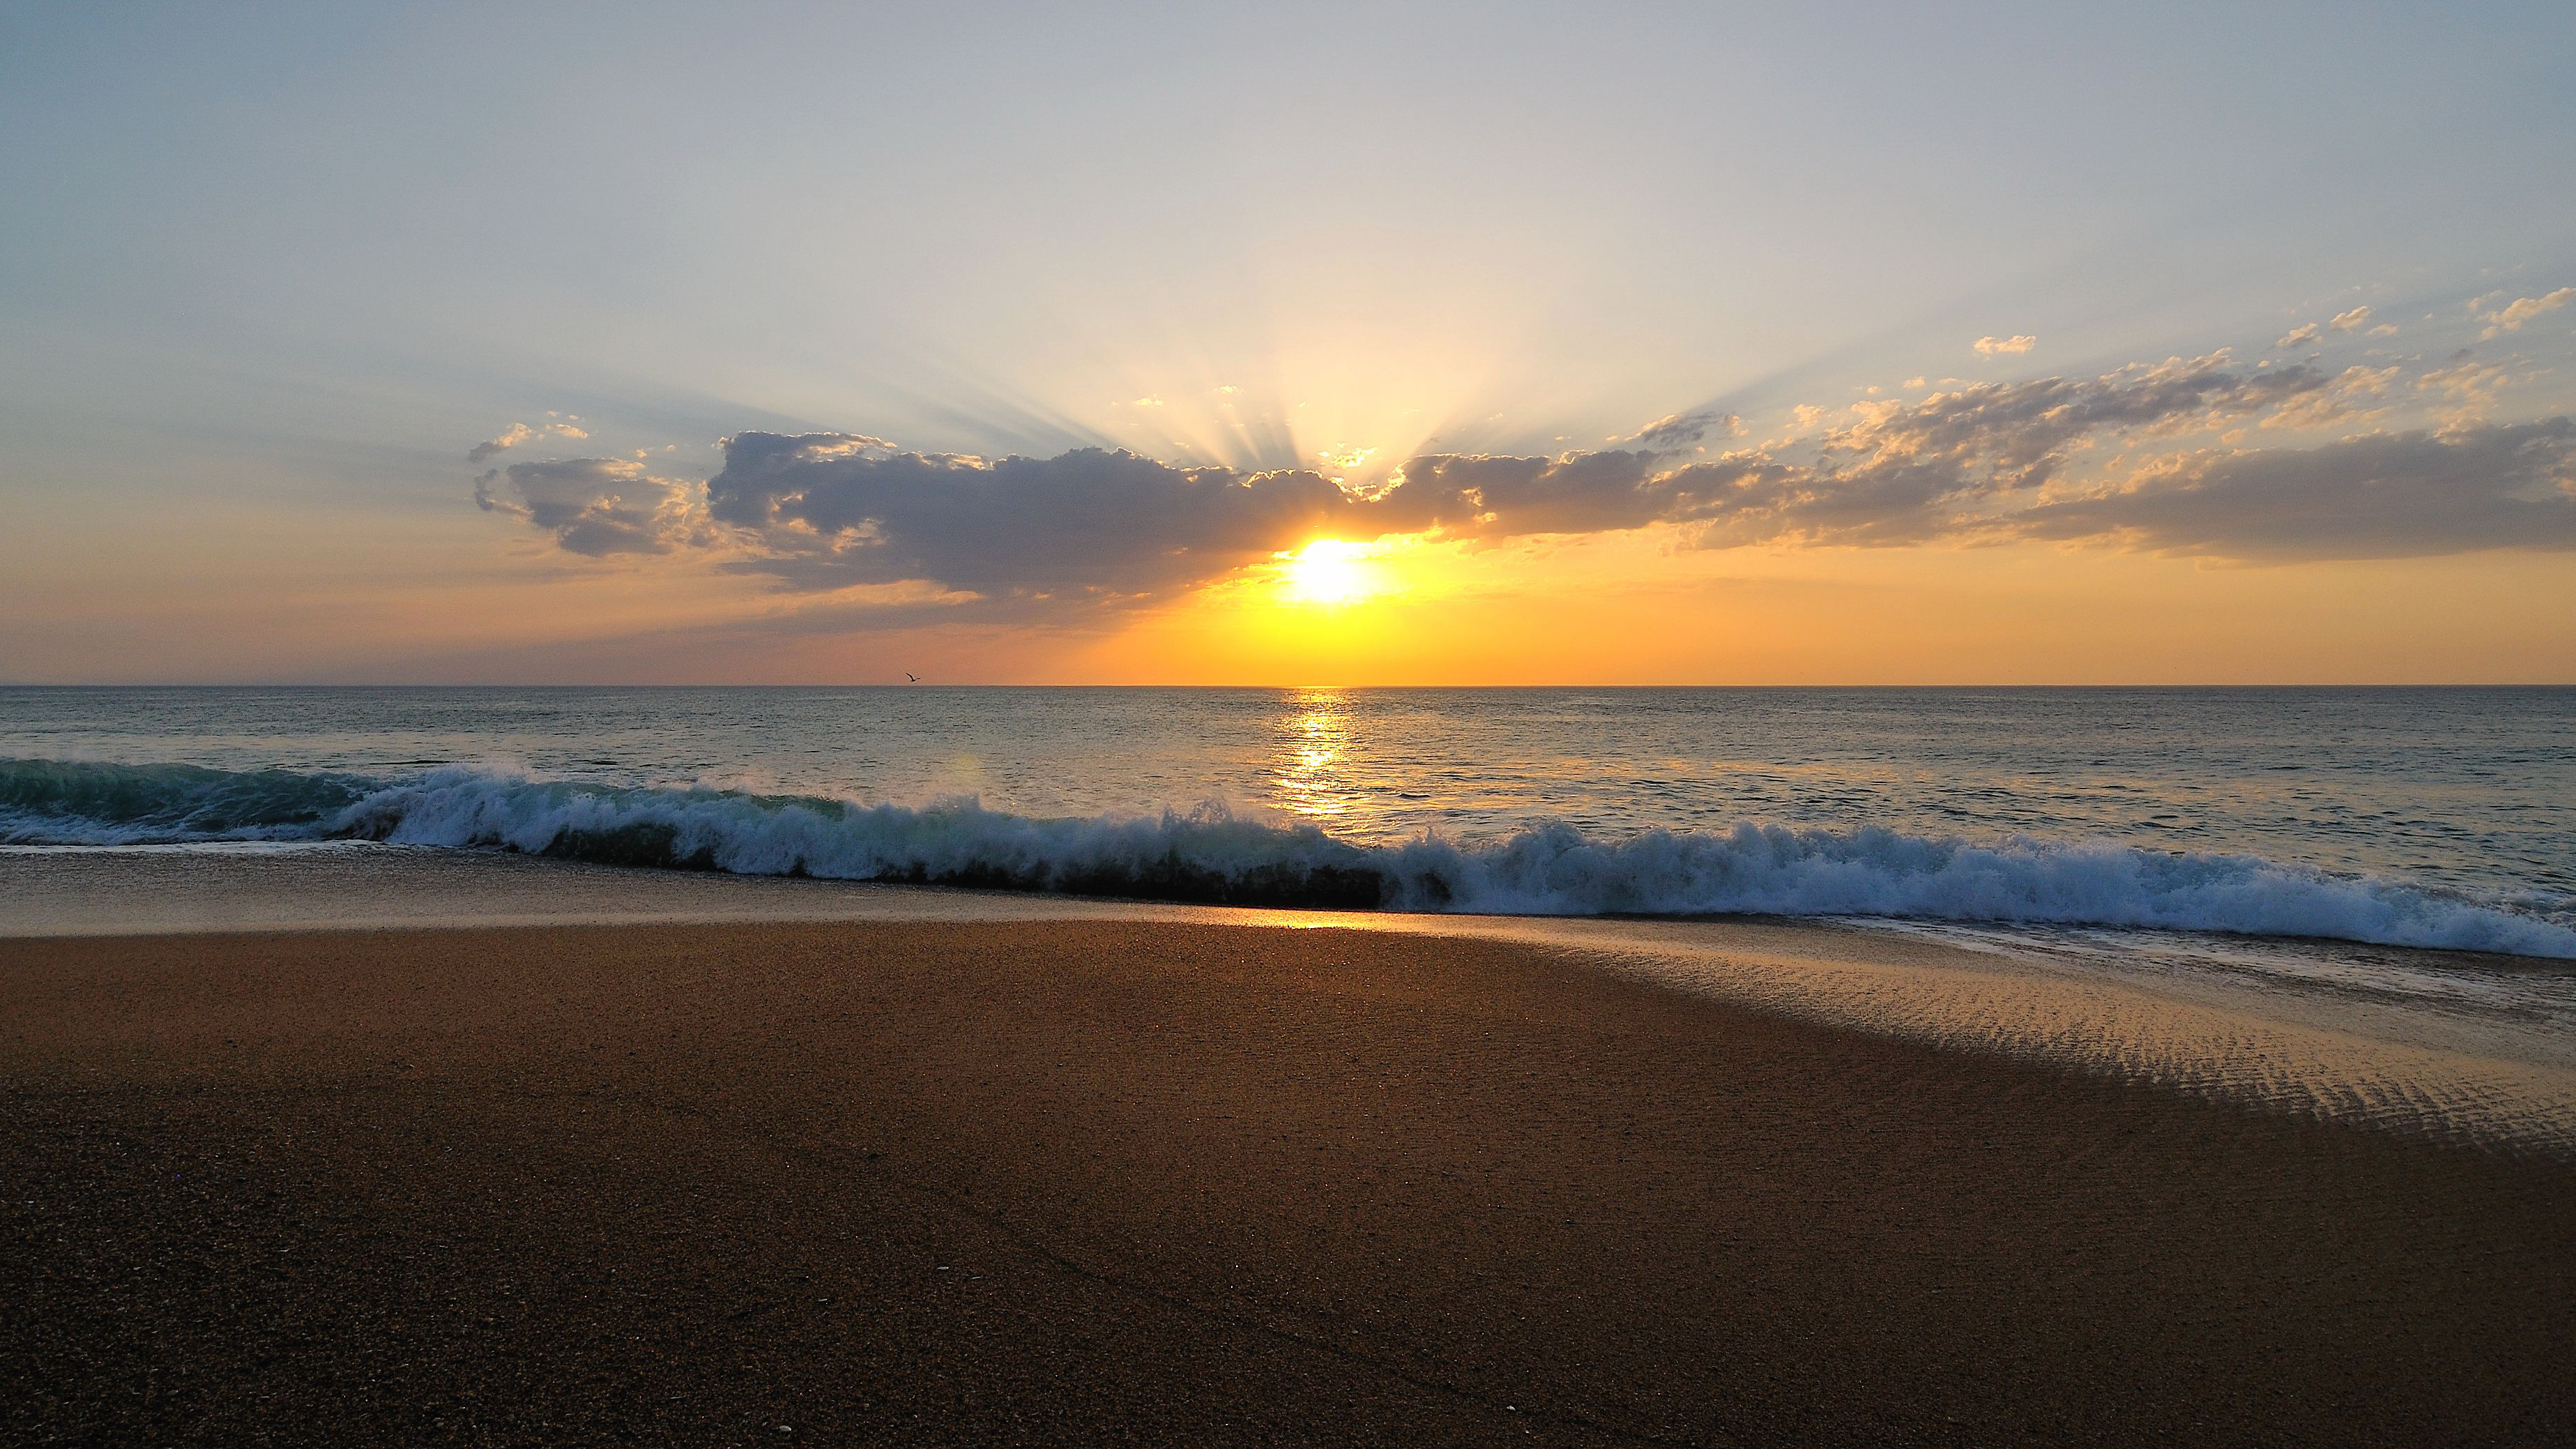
column 1330, row 571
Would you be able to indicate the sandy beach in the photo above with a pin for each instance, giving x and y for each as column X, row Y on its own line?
column 1146, row 1182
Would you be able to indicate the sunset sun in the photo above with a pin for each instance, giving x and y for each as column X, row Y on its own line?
column 1330, row 571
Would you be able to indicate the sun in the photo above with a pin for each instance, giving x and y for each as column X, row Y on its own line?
column 1329, row 571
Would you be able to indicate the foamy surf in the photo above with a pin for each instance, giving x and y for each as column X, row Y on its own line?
column 1213, row 855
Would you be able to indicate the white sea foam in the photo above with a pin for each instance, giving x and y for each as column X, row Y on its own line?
column 1212, row 854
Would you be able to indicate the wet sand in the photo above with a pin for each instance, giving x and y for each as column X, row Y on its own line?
column 1138, row 1182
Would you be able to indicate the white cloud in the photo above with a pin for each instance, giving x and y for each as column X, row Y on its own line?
column 2346, row 321
column 507, row 439
column 2522, row 310
column 518, row 433
column 2299, row 337
column 2467, row 385
column 1992, row 345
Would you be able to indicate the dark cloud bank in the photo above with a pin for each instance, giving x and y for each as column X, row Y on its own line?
column 1989, row 462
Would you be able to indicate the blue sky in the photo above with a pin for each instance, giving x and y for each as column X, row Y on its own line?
column 270, row 272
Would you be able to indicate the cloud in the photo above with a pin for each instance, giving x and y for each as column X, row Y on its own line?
column 2346, row 321
column 2522, row 310
column 2121, row 457
column 2299, row 337
column 594, row 506
column 1899, row 472
column 2384, row 329
column 1682, row 430
column 2338, row 400
column 1993, row 345
column 1480, row 496
column 510, row 437
column 2467, row 386
column 824, row 510
column 2387, row 495
column 518, row 433
column 1957, row 461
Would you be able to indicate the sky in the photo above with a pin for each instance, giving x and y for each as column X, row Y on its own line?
column 1378, row 344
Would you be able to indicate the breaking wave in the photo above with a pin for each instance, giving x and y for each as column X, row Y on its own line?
column 1211, row 855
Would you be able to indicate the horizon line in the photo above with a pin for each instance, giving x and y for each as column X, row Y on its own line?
column 1347, row 688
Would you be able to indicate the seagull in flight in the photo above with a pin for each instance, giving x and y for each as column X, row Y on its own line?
column 915, row 678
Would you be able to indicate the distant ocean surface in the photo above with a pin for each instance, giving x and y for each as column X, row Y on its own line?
column 2441, row 818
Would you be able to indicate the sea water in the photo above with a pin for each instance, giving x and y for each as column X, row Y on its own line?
column 2440, row 818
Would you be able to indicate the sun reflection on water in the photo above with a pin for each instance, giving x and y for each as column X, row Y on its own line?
column 1311, row 765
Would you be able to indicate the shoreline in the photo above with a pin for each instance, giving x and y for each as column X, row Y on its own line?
column 1079, row 1179
column 2470, row 1049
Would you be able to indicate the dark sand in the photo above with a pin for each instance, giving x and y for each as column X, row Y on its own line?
column 1107, row 1183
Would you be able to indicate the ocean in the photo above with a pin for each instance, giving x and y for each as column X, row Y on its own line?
column 2438, row 818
